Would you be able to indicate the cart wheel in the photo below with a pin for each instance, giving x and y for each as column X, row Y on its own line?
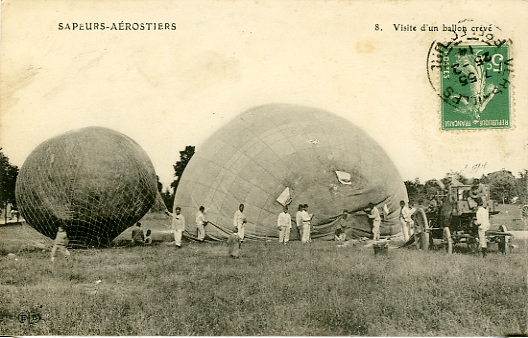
column 420, row 221
column 524, row 213
column 448, row 239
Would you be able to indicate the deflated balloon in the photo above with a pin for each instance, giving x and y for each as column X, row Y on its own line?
column 285, row 154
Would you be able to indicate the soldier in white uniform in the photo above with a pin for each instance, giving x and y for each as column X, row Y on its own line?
column 284, row 225
column 60, row 243
column 201, row 221
column 483, row 225
column 376, row 221
column 298, row 220
column 240, row 221
column 405, row 220
column 178, row 225
column 306, row 219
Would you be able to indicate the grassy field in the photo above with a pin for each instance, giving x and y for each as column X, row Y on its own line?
column 302, row 290
column 510, row 215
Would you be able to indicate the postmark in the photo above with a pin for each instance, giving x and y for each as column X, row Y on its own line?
column 472, row 75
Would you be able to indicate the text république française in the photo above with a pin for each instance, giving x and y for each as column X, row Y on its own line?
column 120, row 26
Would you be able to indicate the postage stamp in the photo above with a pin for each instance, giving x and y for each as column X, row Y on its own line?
column 471, row 74
column 475, row 89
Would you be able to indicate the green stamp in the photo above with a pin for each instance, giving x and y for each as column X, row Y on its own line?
column 475, row 86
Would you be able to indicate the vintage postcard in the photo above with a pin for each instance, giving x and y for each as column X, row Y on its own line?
column 281, row 168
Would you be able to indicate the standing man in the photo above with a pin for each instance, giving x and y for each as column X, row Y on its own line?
column 405, row 220
column 284, row 224
column 375, row 216
column 483, row 225
column 201, row 222
column 233, row 244
column 178, row 226
column 306, row 219
column 240, row 221
column 298, row 220
column 60, row 243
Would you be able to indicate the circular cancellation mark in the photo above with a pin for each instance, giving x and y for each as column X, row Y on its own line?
column 470, row 72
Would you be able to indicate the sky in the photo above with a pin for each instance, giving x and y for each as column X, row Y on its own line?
column 167, row 89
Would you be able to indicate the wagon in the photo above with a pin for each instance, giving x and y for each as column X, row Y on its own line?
column 450, row 221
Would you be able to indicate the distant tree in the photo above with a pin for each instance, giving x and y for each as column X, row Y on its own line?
column 431, row 188
column 8, row 177
column 484, row 179
column 168, row 199
column 185, row 157
column 416, row 191
column 503, row 185
column 411, row 188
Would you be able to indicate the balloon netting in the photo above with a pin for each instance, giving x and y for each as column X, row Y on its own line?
column 95, row 182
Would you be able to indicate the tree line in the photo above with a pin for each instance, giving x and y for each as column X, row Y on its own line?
column 505, row 188
column 8, row 176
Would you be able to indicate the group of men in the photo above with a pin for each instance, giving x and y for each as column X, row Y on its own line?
column 284, row 224
column 303, row 221
column 178, row 223
column 304, row 227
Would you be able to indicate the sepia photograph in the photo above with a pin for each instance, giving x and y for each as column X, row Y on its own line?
column 263, row 168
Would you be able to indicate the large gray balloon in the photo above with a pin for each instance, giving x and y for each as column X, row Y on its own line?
column 94, row 181
column 267, row 149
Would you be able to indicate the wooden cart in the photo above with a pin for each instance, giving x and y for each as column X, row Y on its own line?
column 451, row 223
